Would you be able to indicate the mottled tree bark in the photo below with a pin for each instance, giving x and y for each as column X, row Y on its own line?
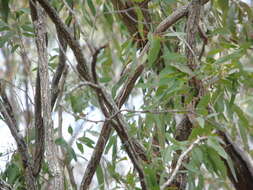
column 57, row 180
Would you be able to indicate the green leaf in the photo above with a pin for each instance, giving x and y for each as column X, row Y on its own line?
column 29, row 35
column 192, row 167
column 137, row 1
column 151, row 177
column 3, row 26
column 5, row 9
column 214, row 143
column 198, row 131
column 70, row 151
column 92, row 7
column 70, row 130
column 71, row 154
column 223, row 4
column 80, row 147
column 218, row 165
column 28, row 28
column 167, row 154
column 197, row 155
column 203, row 104
column 100, row 177
column 140, row 22
column 25, row 10
column 244, row 136
column 87, row 141
column 130, row 179
column 69, row 2
column 12, row 173
column 183, row 68
column 243, row 125
column 173, row 57
column 111, row 142
column 235, row 55
column 68, row 20
column 160, row 130
column 5, row 38
column 154, row 49
column 61, row 141
column 107, row 16
column 201, row 121
column 232, row 169
column 118, row 85
column 105, row 79
column 241, row 116
column 78, row 103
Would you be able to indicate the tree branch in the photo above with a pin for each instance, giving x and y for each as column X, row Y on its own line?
column 8, row 115
column 94, row 62
column 60, row 68
column 39, row 128
column 106, row 131
column 67, row 35
column 174, row 17
column 51, row 150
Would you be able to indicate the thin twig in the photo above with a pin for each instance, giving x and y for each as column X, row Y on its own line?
column 94, row 61
column 205, row 41
column 180, row 161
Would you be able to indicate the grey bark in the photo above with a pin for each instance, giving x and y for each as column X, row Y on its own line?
column 57, row 181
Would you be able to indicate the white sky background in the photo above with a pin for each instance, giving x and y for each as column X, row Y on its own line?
column 8, row 145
